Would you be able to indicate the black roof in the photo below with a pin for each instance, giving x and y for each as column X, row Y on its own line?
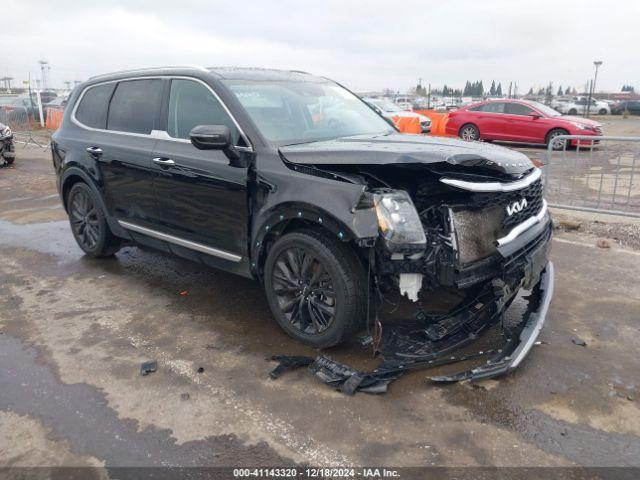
column 264, row 74
column 227, row 73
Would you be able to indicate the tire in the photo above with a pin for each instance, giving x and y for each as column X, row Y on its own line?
column 603, row 111
column 298, row 267
column 560, row 144
column 8, row 161
column 573, row 111
column 469, row 132
column 88, row 223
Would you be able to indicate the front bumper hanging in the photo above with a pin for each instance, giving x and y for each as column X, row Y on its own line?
column 403, row 351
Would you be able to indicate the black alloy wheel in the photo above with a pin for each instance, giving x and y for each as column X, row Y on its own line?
column 316, row 287
column 304, row 290
column 84, row 220
column 88, row 223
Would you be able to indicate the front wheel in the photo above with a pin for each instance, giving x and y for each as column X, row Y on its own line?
column 602, row 111
column 315, row 287
column 557, row 144
column 469, row 132
column 88, row 223
column 573, row 111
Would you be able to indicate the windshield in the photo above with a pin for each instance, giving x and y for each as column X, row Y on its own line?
column 297, row 112
column 548, row 111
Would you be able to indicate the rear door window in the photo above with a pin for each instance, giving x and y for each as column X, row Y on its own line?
column 92, row 110
column 493, row 107
column 518, row 109
column 192, row 104
column 135, row 105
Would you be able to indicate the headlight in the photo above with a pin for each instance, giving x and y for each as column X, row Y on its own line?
column 580, row 126
column 399, row 222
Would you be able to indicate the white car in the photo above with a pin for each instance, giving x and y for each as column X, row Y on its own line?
column 578, row 106
column 389, row 109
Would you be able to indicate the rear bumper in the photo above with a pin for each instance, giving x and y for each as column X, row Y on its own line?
column 514, row 352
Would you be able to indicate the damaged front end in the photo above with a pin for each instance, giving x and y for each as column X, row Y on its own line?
column 462, row 250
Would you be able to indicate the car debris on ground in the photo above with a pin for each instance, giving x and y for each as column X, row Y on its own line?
column 148, row 367
column 426, row 342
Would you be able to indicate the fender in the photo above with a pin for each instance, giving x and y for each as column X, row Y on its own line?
column 278, row 217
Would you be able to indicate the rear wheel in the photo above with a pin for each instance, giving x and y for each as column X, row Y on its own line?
column 573, row 111
column 315, row 287
column 469, row 132
column 603, row 111
column 558, row 144
column 88, row 223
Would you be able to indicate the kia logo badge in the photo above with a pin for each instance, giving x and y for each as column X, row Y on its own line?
column 516, row 207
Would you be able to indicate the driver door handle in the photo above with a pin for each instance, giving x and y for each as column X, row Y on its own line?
column 164, row 162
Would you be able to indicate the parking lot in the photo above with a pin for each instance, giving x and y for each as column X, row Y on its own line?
column 74, row 332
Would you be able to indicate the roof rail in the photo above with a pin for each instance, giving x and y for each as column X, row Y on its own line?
column 136, row 70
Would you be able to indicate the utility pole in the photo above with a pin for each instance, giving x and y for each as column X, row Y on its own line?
column 429, row 98
column 592, row 88
column 510, row 84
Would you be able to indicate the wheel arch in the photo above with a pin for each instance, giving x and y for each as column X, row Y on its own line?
column 546, row 135
column 73, row 175
column 291, row 217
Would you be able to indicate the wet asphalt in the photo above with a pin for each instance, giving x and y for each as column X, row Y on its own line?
column 75, row 330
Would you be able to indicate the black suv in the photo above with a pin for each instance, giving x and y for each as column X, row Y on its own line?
column 291, row 179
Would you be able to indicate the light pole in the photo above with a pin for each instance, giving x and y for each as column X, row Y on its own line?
column 592, row 90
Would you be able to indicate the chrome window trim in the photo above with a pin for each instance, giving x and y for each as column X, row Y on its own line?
column 181, row 241
column 494, row 186
column 524, row 226
column 157, row 134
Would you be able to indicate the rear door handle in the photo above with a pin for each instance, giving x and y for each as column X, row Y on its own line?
column 95, row 151
column 164, row 162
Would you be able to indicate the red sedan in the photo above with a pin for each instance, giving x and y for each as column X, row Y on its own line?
column 517, row 121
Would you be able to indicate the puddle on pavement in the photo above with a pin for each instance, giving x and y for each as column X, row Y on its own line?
column 79, row 414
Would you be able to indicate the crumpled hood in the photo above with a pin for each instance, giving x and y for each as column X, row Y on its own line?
column 407, row 149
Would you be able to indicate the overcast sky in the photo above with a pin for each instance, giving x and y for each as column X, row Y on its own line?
column 366, row 45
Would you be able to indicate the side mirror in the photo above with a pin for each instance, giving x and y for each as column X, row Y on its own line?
column 536, row 115
column 210, row 137
column 217, row 137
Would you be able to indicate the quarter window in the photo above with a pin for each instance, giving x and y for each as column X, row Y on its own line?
column 192, row 104
column 517, row 109
column 92, row 110
column 134, row 106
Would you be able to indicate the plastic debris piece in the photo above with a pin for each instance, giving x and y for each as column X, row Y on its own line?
column 579, row 342
column 184, row 396
column 603, row 243
column 184, row 293
column 148, row 367
column 200, row 370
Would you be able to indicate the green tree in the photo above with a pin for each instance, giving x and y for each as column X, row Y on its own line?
column 530, row 91
column 499, row 90
column 560, row 92
column 492, row 90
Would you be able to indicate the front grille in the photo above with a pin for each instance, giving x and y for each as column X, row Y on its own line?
column 484, row 219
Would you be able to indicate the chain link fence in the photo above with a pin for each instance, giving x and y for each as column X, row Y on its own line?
column 21, row 123
column 594, row 174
